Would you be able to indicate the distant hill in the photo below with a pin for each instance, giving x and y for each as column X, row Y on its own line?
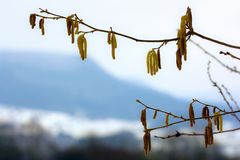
column 65, row 83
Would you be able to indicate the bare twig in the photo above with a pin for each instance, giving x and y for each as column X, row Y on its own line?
column 158, row 110
column 229, row 54
column 232, row 69
column 178, row 134
column 231, row 97
column 220, row 91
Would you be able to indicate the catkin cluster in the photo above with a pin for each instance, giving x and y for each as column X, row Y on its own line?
column 153, row 62
column 186, row 23
column 217, row 119
column 32, row 21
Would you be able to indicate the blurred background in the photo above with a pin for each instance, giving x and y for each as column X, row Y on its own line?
column 55, row 106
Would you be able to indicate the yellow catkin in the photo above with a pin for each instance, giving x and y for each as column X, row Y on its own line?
column 76, row 25
column 220, row 123
column 191, row 115
column 82, row 46
column 151, row 64
column 183, row 37
column 114, row 45
column 32, row 20
column 166, row 119
column 155, row 114
column 41, row 26
column 72, row 32
column 143, row 118
column 148, row 61
column 189, row 19
column 155, row 59
column 178, row 52
column 159, row 59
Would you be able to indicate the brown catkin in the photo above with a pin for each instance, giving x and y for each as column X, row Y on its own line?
column 205, row 112
column 155, row 114
column 159, row 58
column 69, row 25
column 191, row 115
column 147, row 142
column 143, row 118
column 32, row 20
column 109, row 39
column 206, row 136
column 41, row 26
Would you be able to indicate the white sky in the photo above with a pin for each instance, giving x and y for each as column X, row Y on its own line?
column 152, row 19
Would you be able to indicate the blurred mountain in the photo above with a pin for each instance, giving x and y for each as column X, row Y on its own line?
column 65, row 83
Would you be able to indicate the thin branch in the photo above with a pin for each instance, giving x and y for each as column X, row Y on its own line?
column 208, row 105
column 106, row 31
column 158, row 110
column 137, row 39
column 178, row 134
column 215, row 41
column 220, row 91
column 186, row 120
column 232, row 69
column 231, row 97
column 229, row 54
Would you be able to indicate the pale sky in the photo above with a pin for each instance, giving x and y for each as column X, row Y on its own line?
column 152, row 19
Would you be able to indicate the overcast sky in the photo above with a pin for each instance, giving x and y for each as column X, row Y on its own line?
column 152, row 19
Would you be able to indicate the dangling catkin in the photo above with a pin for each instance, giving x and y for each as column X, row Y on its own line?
column 143, row 118
column 159, row 58
column 114, row 45
column 82, row 46
column 166, row 119
column 191, row 115
column 32, row 20
column 155, row 114
column 41, row 26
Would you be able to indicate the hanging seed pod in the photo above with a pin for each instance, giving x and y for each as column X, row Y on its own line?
column 159, row 58
column 143, row 118
column 155, row 114
column 214, row 109
column 114, row 45
column 41, row 26
column 206, row 137
column 191, row 115
column 32, row 20
column 166, row 119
